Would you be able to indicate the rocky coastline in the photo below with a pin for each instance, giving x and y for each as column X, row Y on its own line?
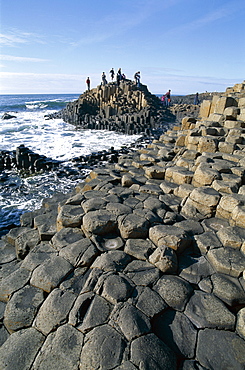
column 142, row 265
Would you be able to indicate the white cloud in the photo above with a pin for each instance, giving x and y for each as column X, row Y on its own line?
column 14, row 37
column 13, row 58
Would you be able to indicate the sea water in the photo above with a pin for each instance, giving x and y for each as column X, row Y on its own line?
column 53, row 138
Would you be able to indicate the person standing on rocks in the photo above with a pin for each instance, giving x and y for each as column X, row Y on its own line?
column 137, row 78
column 163, row 100
column 88, row 83
column 104, row 81
column 196, row 100
column 112, row 74
column 119, row 76
column 168, row 98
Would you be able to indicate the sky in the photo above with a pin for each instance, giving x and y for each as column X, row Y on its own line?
column 188, row 46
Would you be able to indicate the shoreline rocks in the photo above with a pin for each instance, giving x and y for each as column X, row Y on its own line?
column 142, row 265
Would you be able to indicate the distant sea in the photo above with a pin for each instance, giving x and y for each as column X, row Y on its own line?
column 52, row 138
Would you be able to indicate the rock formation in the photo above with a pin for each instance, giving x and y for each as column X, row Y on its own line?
column 124, row 108
column 142, row 266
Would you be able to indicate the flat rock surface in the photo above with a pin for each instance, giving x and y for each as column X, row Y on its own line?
column 142, row 266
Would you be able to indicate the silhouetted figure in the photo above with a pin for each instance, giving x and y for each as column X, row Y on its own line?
column 196, row 100
column 168, row 98
column 104, row 81
column 112, row 74
column 137, row 78
column 88, row 83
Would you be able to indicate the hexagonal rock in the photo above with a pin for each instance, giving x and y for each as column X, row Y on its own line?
column 20, row 349
column 118, row 208
column 174, row 290
column 133, row 226
column 130, row 321
column 170, row 236
column 90, row 310
column 14, row 233
column 229, row 237
column 148, row 301
column 205, row 175
column 149, row 352
column 25, row 242
column 112, row 261
column 114, row 288
column 206, row 196
column 220, row 349
column 13, row 282
column 139, row 248
column 193, row 269
column 93, row 204
column 142, row 273
column 61, row 350
column 7, row 252
column 207, row 311
column 155, row 172
column 99, row 222
column 180, row 175
column 69, row 216
column 165, row 259
column 206, row 241
column 227, row 260
column 177, row 331
column 22, row 308
column 228, row 289
column 238, row 215
column 103, row 349
column 80, row 253
column 46, row 225
column 38, row 255
column 54, row 310
column 66, row 236
column 50, row 273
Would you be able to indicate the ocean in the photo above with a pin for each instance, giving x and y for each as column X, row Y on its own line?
column 54, row 139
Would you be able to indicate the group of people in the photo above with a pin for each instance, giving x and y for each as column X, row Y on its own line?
column 119, row 77
column 166, row 99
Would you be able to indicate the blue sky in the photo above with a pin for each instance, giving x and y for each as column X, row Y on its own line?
column 52, row 46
